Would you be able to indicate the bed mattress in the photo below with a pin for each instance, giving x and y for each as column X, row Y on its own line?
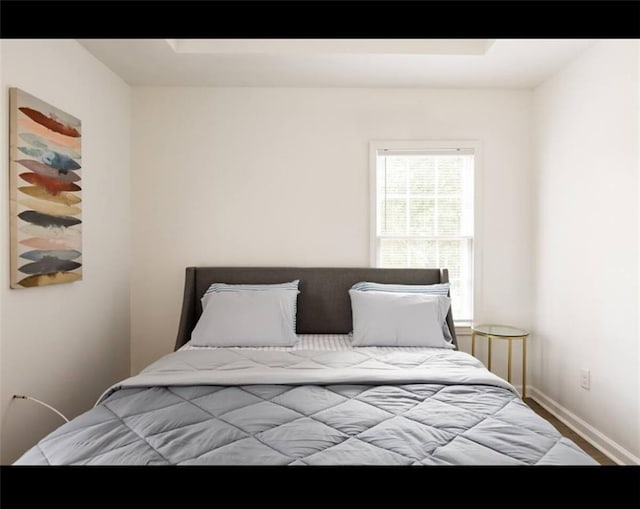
column 321, row 402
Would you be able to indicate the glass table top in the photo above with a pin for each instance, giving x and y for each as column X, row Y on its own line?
column 499, row 330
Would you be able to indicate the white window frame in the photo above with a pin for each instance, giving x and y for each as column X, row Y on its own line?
column 475, row 145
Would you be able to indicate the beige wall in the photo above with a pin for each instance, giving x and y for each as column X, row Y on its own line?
column 65, row 344
column 586, row 243
column 251, row 176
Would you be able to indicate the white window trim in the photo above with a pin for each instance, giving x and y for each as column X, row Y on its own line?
column 476, row 145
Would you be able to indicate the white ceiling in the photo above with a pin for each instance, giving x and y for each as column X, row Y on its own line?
column 450, row 63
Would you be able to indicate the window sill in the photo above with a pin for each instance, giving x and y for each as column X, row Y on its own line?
column 463, row 328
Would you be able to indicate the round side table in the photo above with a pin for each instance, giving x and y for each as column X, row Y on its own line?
column 508, row 333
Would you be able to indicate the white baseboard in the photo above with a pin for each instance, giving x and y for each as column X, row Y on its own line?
column 598, row 439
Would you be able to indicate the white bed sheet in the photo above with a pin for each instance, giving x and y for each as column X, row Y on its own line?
column 321, row 342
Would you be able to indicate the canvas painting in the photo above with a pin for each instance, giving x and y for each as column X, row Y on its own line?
column 45, row 186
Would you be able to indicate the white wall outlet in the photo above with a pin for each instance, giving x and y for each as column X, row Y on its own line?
column 585, row 379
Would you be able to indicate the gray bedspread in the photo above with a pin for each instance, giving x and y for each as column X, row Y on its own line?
column 365, row 406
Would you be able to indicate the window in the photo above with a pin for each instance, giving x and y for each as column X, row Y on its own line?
column 423, row 207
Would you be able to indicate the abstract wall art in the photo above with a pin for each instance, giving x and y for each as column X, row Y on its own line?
column 45, row 193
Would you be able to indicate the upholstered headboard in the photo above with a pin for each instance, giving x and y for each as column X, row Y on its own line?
column 324, row 305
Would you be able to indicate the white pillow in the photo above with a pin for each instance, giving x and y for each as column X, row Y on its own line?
column 398, row 319
column 225, row 287
column 434, row 289
column 247, row 318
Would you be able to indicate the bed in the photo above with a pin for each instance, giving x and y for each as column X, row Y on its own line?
column 321, row 401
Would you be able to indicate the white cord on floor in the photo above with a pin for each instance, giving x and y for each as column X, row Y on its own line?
column 41, row 403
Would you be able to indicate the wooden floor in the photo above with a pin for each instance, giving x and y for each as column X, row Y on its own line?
column 569, row 433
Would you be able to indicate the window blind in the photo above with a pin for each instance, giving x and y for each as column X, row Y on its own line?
column 424, row 205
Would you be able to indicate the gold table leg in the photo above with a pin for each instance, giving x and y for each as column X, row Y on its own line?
column 524, row 367
column 509, row 362
column 489, row 361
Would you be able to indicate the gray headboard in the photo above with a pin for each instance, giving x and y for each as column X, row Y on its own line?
column 324, row 305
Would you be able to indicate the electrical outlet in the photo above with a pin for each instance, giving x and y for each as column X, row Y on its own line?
column 585, row 379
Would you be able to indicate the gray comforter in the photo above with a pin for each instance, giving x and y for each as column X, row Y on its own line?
column 366, row 406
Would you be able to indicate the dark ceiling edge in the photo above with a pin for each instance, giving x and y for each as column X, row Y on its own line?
column 318, row 19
